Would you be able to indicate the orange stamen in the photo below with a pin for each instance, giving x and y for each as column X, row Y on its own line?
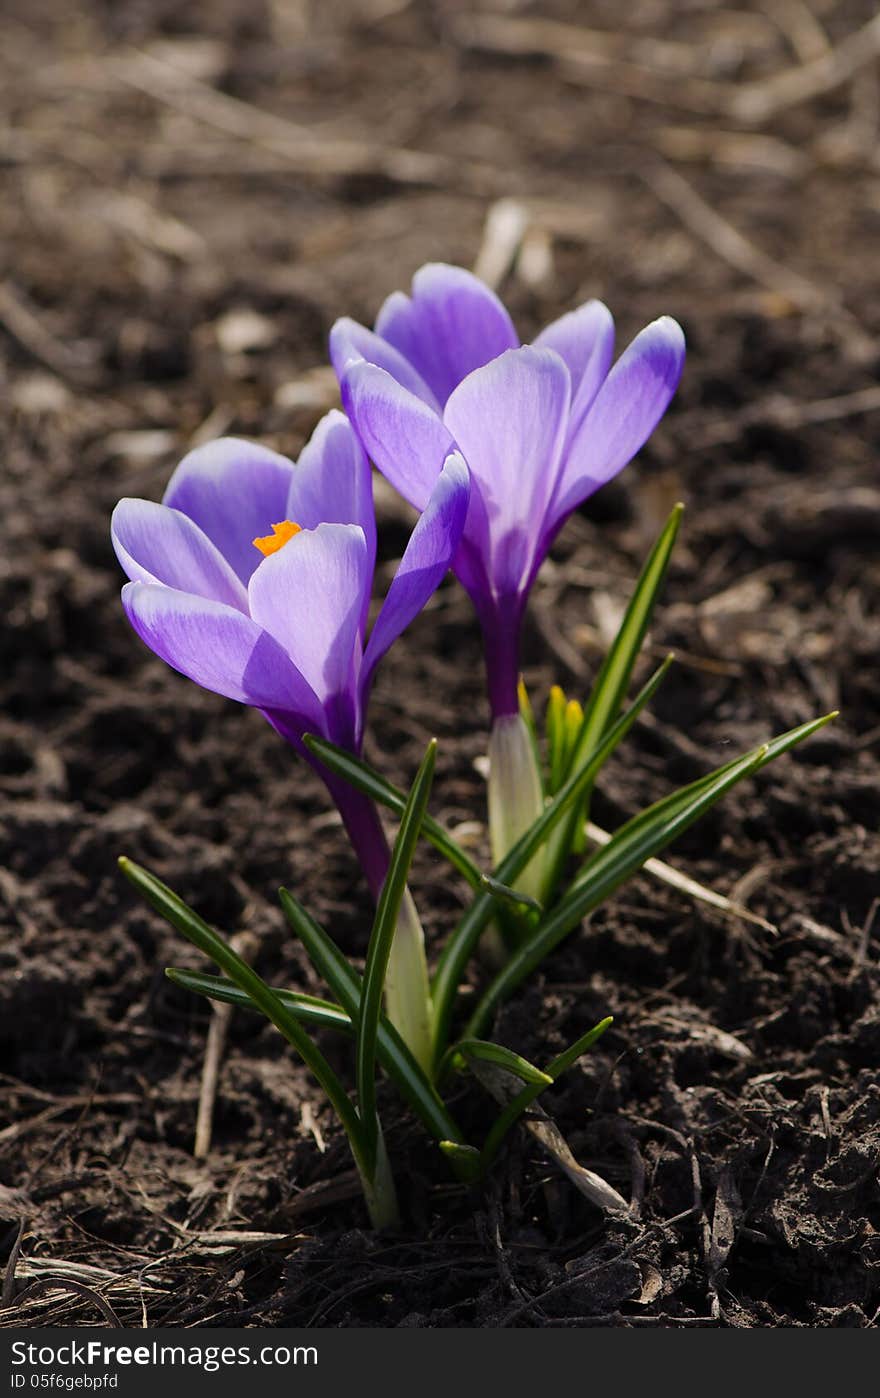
column 281, row 534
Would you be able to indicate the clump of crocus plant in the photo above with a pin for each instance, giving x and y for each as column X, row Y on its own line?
column 254, row 578
column 541, row 428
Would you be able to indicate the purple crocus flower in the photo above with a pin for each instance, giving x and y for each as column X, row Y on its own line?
column 254, row 577
column 541, row 427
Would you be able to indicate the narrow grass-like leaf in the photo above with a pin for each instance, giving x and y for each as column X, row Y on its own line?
column 391, row 1051
column 616, row 670
column 610, row 686
column 379, row 950
column 553, row 1072
column 362, row 777
column 465, row 1160
column 308, row 1009
column 684, row 884
column 554, row 727
column 394, row 1054
column 505, row 894
column 328, row 960
column 565, row 1060
column 527, row 714
column 638, row 840
column 786, row 741
column 187, row 922
column 501, row 1057
column 526, row 711
column 463, row 940
column 574, row 718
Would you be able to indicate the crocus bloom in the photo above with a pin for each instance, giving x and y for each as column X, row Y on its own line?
column 541, row 428
column 254, row 576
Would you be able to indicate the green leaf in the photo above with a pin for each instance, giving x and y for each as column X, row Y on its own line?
column 611, row 685
column 515, row 1108
column 324, row 954
column 570, row 1056
column 458, row 949
column 505, row 894
column 637, row 841
column 391, row 1051
column 362, row 777
column 527, row 715
column 526, row 710
column 308, row 1009
column 554, row 727
column 574, row 717
column 187, row 922
column 614, row 676
column 466, row 1160
column 382, row 936
column 347, row 986
column 500, row 1057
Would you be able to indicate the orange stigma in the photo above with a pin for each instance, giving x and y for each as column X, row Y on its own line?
column 281, row 534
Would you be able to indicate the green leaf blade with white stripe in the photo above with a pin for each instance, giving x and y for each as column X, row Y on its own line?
column 637, row 841
column 611, row 684
column 551, row 1074
column 381, row 938
column 459, row 948
column 211, row 944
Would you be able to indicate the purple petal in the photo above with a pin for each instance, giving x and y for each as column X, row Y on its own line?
column 585, row 340
column 428, row 555
column 452, row 324
column 332, row 484
column 216, row 646
column 405, row 438
column 157, row 545
column 349, row 340
column 310, row 597
column 471, row 564
column 509, row 420
column 235, row 491
column 625, row 412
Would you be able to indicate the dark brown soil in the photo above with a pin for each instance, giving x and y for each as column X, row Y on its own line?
column 145, row 223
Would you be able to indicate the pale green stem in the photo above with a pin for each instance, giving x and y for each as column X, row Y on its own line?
column 407, row 989
column 516, row 796
column 379, row 1191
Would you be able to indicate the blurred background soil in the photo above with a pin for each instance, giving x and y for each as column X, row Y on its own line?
column 192, row 192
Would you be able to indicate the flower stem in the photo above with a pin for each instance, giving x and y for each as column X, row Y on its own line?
column 407, row 989
column 516, row 795
column 379, row 1191
column 501, row 628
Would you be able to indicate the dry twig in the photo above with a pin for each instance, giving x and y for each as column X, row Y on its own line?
column 300, row 147
column 787, row 413
column 800, row 26
column 690, row 887
column 755, row 103
column 245, row 943
column 503, row 1086
column 734, row 248
column 652, row 70
column 24, row 323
